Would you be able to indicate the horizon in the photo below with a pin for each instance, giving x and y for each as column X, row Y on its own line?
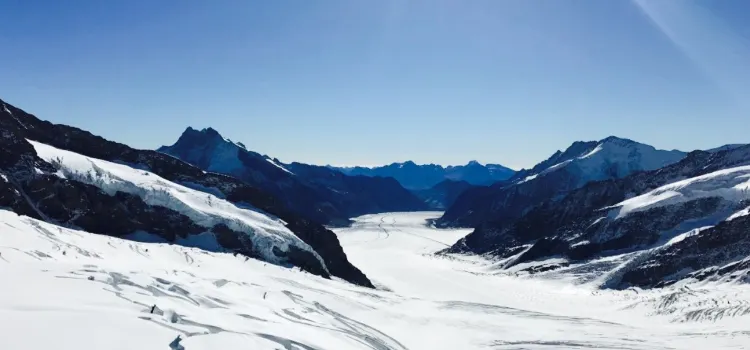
column 243, row 145
column 354, row 84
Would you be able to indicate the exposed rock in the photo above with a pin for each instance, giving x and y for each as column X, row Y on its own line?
column 27, row 187
column 581, row 163
column 444, row 194
column 422, row 177
column 318, row 193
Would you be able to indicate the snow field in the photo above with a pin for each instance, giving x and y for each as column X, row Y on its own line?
column 68, row 289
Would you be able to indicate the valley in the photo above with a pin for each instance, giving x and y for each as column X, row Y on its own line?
column 375, row 175
column 87, row 291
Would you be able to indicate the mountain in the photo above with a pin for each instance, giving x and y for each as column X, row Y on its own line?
column 649, row 229
column 582, row 162
column 71, row 178
column 444, row 194
column 422, row 177
column 318, row 193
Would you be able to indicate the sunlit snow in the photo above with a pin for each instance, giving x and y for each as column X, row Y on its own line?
column 731, row 184
column 67, row 289
column 204, row 209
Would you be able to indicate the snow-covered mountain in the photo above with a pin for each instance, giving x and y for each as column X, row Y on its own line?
column 422, row 177
column 319, row 193
column 582, row 162
column 69, row 177
column 653, row 228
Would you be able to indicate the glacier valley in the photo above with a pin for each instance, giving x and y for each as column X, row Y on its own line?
column 70, row 289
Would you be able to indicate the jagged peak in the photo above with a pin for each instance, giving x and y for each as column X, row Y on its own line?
column 204, row 135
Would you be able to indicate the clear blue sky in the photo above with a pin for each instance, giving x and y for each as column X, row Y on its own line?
column 370, row 82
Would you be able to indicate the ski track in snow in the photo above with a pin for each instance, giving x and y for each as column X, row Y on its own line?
column 67, row 289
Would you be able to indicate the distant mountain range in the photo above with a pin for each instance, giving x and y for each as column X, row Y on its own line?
column 319, row 193
column 422, row 177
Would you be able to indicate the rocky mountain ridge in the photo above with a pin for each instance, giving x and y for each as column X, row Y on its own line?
column 35, row 187
column 315, row 192
column 421, row 177
column 579, row 164
column 652, row 228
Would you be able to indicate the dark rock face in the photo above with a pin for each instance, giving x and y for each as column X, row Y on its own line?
column 422, row 177
column 357, row 195
column 504, row 202
column 327, row 245
column 576, row 227
column 444, row 194
column 28, row 188
column 318, row 193
column 716, row 252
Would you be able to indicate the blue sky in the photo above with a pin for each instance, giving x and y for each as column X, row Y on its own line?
column 371, row 82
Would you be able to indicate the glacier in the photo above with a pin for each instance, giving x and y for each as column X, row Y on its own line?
column 91, row 292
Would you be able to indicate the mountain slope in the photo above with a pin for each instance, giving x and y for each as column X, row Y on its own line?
column 422, row 177
column 686, row 220
column 582, row 162
column 444, row 194
column 39, row 188
column 319, row 193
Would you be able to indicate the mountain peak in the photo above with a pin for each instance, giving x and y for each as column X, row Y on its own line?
column 473, row 163
column 190, row 131
column 192, row 136
column 617, row 140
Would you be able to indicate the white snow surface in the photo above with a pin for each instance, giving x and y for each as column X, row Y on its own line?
column 731, row 184
column 278, row 165
column 204, row 209
column 613, row 157
column 67, row 289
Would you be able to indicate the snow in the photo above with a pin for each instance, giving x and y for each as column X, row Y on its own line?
column 596, row 149
column 204, row 209
column 743, row 212
column 529, row 178
column 624, row 157
column 613, row 157
column 278, row 165
column 91, row 292
column 731, row 184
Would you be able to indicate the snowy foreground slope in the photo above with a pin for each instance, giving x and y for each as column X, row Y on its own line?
column 266, row 234
column 67, row 289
